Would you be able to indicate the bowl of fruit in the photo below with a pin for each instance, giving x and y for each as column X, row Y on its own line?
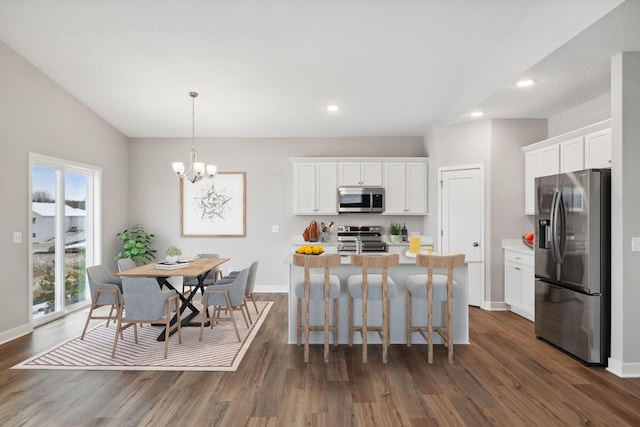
column 528, row 239
column 310, row 250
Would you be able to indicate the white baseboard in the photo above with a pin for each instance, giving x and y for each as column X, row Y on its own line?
column 623, row 370
column 14, row 333
column 495, row 306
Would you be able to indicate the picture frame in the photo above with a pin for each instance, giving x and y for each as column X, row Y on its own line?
column 214, row 207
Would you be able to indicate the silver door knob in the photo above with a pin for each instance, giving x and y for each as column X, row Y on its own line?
column 476, row 244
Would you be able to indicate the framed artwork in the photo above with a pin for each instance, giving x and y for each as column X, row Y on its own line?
column 214, row 207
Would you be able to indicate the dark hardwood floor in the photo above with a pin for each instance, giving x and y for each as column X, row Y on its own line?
column 506, row 377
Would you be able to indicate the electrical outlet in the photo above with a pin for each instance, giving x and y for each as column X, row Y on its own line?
column 17, row 237
column 275, row 228
column 635, row 244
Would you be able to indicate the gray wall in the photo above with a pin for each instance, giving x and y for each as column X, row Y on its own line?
column 593, row 111
column 496, row 144
column 154, row 195
column 37, row 115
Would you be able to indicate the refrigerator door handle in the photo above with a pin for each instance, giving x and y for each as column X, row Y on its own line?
column 562, row 229
column 554, row 225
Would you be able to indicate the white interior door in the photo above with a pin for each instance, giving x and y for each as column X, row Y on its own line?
column 461, row 222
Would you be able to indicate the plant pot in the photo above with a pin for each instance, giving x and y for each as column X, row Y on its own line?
column 172, row 259
column 395, row 238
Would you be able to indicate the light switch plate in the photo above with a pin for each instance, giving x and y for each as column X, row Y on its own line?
column 17, row 237
column 635, row 244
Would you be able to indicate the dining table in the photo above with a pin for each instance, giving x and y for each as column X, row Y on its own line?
column 198, row 268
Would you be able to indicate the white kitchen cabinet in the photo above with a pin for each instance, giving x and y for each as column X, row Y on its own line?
column 519, row 284
column 597, row 149
column 572, row 155
column 314, row 188
column 405, row 188
column 360, row 173
column 585, row 148
column 539, row 162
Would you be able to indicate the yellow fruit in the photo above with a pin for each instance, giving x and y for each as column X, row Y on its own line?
column 308, row 250
column 300, row 250
column 315, row 250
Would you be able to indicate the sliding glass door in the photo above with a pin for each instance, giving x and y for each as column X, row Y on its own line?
column 62, row 235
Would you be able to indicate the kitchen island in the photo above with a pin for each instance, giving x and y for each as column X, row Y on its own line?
column 399, row 274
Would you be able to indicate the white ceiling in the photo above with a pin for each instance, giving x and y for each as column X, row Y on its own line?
column 268, row 68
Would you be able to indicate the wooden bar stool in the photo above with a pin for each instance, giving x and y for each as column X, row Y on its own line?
column 429, row 286
column 317, row 287
column 374, row 287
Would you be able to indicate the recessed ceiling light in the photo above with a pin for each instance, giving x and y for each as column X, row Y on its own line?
column 333, row 108
column 525, row 82
column 477, row 113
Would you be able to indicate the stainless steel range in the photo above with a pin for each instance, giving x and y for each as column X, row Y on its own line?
column 360, row 238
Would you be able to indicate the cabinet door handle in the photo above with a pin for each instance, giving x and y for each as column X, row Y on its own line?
column 517, row 268
column 518, row 257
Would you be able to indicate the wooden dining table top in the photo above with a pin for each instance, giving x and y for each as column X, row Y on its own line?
column 196, row 268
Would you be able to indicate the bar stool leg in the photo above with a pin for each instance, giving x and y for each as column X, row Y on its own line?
column 298, row 320
column 350, row 320
column 449, row 323
column 306, row 325
column 430, row 320
column 408, row 310
column 385, row 327
column 326, row 325
column 363, row 328
column 335, row 322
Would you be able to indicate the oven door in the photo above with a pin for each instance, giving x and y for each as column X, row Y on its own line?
column 360, row 199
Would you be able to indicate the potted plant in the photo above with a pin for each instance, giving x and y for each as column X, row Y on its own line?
column 394, row 230
column 172, row 253
column 136, row 245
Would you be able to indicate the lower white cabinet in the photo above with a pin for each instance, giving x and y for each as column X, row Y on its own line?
column 519, row 284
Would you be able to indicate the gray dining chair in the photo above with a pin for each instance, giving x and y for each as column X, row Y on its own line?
column 227, row 297
column 251, row 282
column 210, row 279
column 125, row 264
column 147, row 303
column 105, row 290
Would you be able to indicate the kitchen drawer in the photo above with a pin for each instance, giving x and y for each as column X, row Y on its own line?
column 518, row 258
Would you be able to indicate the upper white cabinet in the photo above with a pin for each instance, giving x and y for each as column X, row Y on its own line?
column 314, row 188
column 597, row 149
column 585, row 148
column 539, row 162
column 405, row 185
column 360, row 173
column 572, row 155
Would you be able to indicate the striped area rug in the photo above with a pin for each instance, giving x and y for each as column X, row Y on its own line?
column 218, row 351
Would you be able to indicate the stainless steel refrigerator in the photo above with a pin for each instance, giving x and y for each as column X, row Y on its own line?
column 573, row 263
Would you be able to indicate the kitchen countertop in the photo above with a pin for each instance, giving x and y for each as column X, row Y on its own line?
column 516, row 245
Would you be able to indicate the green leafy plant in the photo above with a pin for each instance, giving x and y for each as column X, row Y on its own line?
column 395, row 228
column 173, row 251
column 136, row 245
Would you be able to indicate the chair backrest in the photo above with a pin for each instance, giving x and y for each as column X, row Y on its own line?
column 212, row 273
column 99, row 278
column 432, row 262
column 237, row 288
column 314, row 261
column 125, row 264
column 382, row 262
column 144, row 300
column 375, row 261
column 251, row 277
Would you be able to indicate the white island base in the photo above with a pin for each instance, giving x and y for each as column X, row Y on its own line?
column 406, row 268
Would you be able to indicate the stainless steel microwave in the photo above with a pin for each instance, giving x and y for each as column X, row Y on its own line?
column 361, row 199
